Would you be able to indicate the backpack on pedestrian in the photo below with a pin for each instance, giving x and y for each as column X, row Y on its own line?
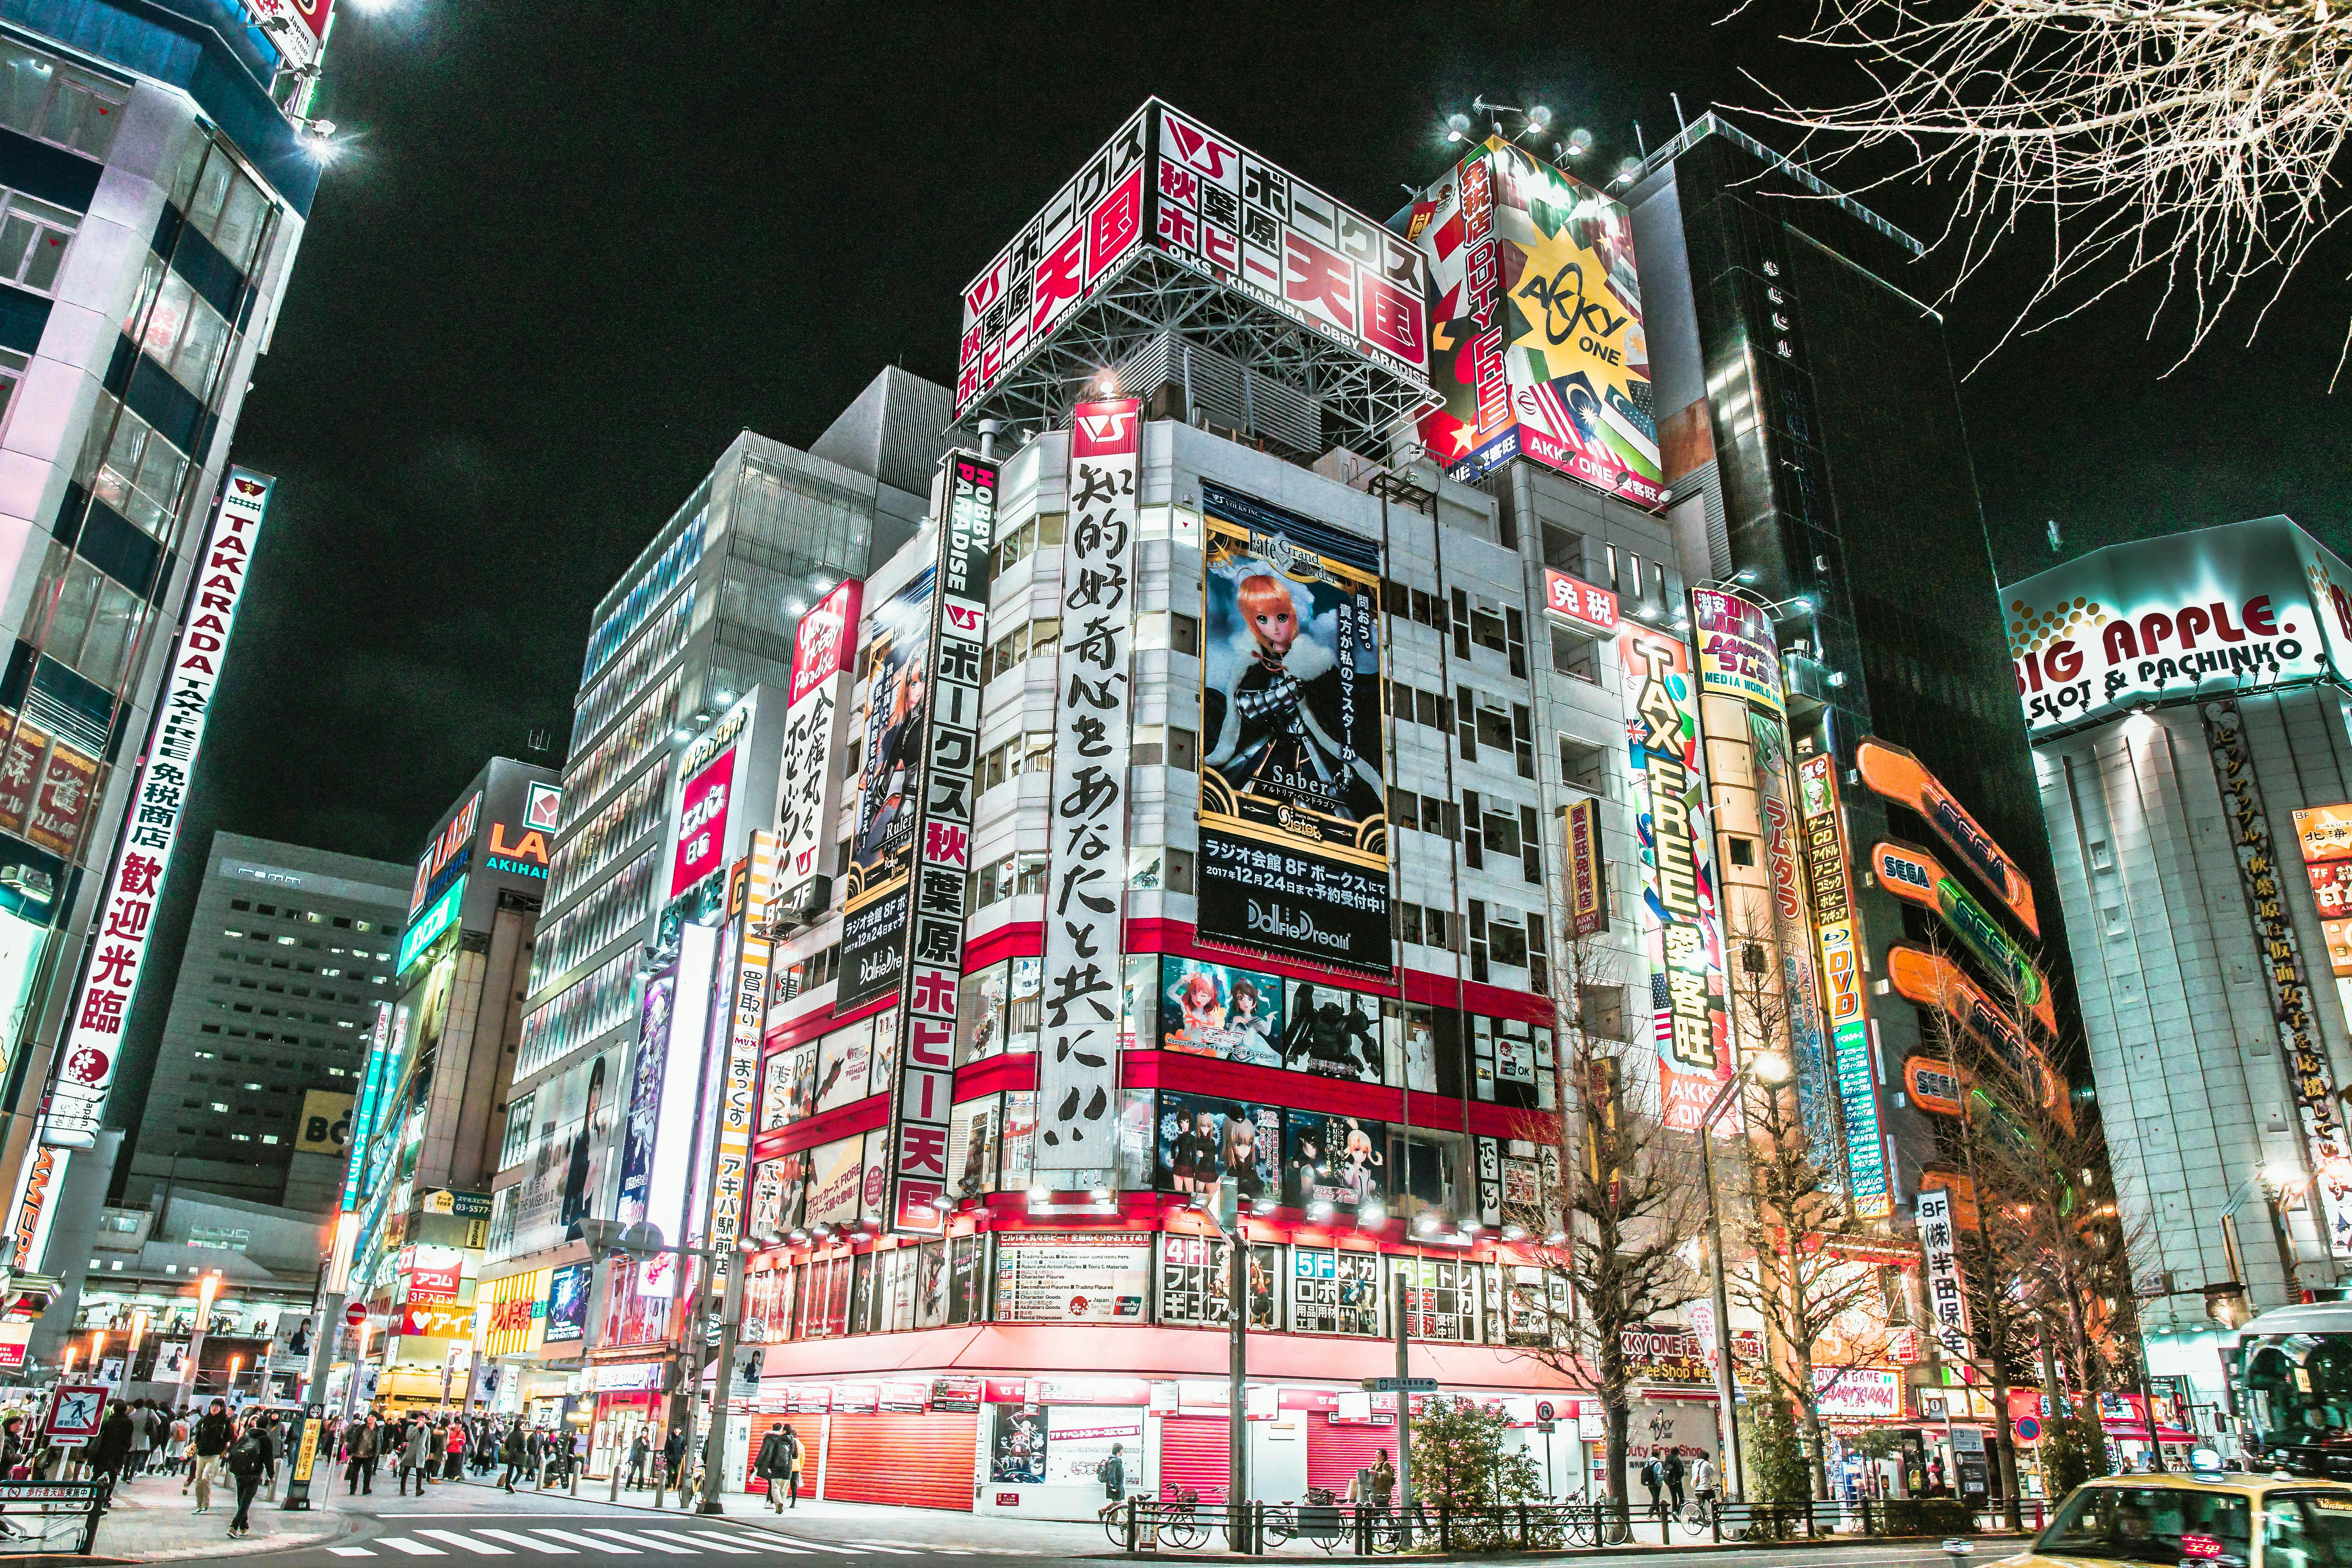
column 247, row 1457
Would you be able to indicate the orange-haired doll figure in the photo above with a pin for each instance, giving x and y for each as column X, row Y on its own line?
column 1283, row 709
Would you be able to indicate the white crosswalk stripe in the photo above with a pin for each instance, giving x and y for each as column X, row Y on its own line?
column 694, row 1543
column 541, row 1546
column 767, row 1543
column 582, row 1541
column 353, row 1550
column 414, row 1548
column 636, row 1542
column 467, row 1544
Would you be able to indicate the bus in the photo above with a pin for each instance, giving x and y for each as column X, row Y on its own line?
column 2290, row 1384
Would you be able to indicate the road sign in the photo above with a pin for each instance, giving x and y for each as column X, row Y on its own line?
column 2029, row 1428
column 74, row 1413
column 1401, row 1384
column 355, row 1314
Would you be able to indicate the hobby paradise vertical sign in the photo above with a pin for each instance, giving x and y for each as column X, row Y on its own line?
column 925, row 1083
column 1078, row 1063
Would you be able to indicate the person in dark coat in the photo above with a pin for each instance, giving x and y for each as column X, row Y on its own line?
column 511, row 1452
column 674, row 1454
column 111, row 1451
column 774, row 1463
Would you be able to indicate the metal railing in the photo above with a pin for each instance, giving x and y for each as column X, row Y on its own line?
column 1167, row 1524
column 51, row 1517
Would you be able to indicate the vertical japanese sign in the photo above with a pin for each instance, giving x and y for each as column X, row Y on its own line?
column 1293, row 816
column 2282, row 956
column 1946, row 1303
column 916, row 1161
column 1834, row 929
column 1684, row 941
column 1078, row 1065
column 118, row 948
column 1588, row 905
column 751, row 885
column 372, row 1088
column 817, row 710
column 897, row 657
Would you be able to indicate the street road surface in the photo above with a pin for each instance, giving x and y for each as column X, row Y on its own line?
column 475, row 1524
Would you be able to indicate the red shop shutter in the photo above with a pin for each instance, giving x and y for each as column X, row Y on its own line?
column 1195, row 1451
column 809, row 1429
column 1336, row 1451
column 919, row 1461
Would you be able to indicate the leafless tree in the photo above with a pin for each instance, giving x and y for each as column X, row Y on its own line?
column 2191, row 143
column 1823, row 1309
column 1631, row 1198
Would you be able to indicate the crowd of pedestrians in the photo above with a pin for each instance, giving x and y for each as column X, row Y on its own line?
column 144, row 1437
column 424, row 1447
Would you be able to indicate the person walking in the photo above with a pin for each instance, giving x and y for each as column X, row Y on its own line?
column 773, row 1463
column 674, row 1455
column 414, row 1450
column 453, row 1452
column 1653, row 1481
column 513, row 1452
column 252, row 1457
column 210, row 1440
column 111, row 1451
column 640, row 1451
column 359, row 1456
column 175, row 1444
column 1112, row 1473
column 792, row 1476
column 142, row 1438
column 1672, row 1470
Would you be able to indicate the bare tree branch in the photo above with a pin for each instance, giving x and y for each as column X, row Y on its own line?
column 2191, row 143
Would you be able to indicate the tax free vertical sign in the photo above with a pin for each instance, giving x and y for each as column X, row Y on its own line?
column 1077, row 1058
column 118, row 947
column 924, row 1089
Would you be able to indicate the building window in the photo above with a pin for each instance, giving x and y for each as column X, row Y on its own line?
column 1574, row 654
column 34, row 238
column 53, row 102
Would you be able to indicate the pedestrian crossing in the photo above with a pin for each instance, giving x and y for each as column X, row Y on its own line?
column 639, row 1540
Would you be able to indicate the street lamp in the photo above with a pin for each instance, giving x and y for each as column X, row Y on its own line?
column 642, row 1241
column 1771, row 1069
column 206, row 1290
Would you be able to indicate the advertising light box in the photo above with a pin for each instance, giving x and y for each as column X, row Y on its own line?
column 1535, row 325
column 2244, row 606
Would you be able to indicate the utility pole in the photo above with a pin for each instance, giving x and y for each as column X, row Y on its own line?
column 1237, row 1361
column 1404, row 1399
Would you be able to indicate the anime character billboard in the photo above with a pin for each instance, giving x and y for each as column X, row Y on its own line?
column 1294, row 822
column 881, row 854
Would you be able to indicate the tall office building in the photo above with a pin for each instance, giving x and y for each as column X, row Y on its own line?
column 290, row 952
column 705, row 615
column 155, row 190
column 2187, row 698
column 426, row 1140
column 1813, row 444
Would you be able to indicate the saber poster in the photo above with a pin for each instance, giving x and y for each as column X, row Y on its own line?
column 1293, row 819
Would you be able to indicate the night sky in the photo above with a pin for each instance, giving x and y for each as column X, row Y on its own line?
column 570, row 250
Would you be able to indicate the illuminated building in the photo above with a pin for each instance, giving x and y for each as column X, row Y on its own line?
column 157, row 183
column 267, row 1034
column 430, row 1104
column 704, row 618
column 2186, row 697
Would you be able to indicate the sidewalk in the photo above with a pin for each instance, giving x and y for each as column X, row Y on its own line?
column 152, row 1520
